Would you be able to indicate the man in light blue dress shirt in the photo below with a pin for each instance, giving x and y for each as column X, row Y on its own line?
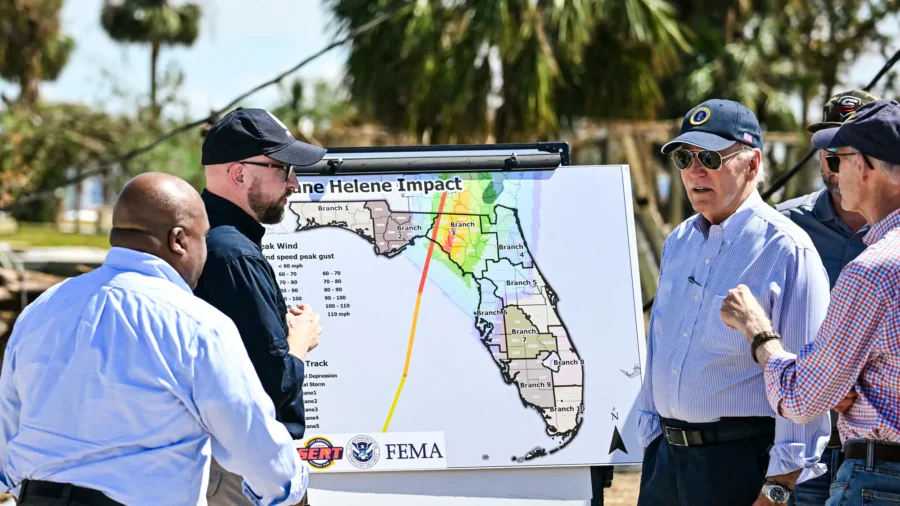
column 711, row 437
column 119, row 385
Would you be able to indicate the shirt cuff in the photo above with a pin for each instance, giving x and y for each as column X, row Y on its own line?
column 648, row 428
column 296, row 490
column 778, row 363
column 789, row 457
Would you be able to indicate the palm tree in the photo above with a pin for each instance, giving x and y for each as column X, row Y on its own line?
column 471, row 70
column 32, row 49
column 153, row 22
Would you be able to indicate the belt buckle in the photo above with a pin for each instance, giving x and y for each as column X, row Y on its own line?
column 684, row 440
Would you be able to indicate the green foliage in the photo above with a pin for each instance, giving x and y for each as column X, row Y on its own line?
column 153, row 22
column 32, row 49
column 443, row 67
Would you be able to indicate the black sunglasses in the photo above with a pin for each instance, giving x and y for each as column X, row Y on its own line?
column 286, row 168
column 712, row 160
column 833, row 160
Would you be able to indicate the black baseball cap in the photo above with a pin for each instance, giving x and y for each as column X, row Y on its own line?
column 840, row 108
column 717, row 124
column 245, row 133
column 873, row 130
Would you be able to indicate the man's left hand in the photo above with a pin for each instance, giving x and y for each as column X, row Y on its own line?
column 742, row 312
column 762, row 501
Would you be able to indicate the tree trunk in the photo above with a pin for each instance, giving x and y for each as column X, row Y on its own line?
column 154, row 60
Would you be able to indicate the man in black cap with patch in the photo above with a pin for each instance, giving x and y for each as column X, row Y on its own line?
column 857, row 347
column 249, row 158
column 838, row 235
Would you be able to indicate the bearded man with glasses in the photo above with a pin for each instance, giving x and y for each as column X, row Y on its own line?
column 711, row 437
column 249, row 157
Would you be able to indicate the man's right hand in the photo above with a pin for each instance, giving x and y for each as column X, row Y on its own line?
column 303, row 330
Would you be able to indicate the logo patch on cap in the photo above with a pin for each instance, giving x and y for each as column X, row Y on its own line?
column 847, row 107
column 282, row 125
column 700, row 116
column 748, row 137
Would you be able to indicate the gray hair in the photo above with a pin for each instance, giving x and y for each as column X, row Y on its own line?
column 761, row 175
column 891, row 170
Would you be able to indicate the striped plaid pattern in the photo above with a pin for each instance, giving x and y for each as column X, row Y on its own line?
column 858, row 346
column 698, row 370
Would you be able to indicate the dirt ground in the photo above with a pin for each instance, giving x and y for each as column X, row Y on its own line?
column 624, row 490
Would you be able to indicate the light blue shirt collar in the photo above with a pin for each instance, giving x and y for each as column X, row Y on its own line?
column 144, row 263
column 732, row 225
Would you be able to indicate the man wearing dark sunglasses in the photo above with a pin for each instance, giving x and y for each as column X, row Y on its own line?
column 710, row 436
column 249, row 157
column 856, row 349
column 838, row 236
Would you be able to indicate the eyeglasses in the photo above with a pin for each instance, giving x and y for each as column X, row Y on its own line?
column 833, row 160
column 286, row 168
column 712, row 160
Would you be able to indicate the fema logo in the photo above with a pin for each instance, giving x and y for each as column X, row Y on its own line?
column 362, row 452
column 320, row 453
column 700, row 116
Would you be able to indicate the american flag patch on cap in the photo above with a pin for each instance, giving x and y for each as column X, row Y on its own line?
column 748, row 137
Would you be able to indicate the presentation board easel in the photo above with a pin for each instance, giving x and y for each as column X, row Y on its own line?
column 550, row 485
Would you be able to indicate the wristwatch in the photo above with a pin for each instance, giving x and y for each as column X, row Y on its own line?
column 776, row 493
column 760, row 339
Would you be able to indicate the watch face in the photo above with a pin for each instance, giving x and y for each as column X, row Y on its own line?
column 778, row 494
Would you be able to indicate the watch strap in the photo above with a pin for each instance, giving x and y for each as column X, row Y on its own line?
column 760, row 339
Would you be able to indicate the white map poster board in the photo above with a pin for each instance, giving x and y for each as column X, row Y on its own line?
column 471, row 320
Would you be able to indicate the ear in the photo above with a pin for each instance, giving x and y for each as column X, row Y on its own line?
column 865, row 173
column 177, row 241
column 754, row 165
column 236, row 174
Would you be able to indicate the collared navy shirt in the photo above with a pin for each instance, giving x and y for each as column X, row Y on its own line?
column 238, row 280
column 834, row 241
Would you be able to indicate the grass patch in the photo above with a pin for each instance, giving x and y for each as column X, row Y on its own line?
column 41, row 234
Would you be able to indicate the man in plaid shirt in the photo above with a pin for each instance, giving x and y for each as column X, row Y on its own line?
column 854, row 362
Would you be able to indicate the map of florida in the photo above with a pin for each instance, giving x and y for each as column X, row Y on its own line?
column 517, row 315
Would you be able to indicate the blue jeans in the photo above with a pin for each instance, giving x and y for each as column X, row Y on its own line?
column 854, row 485
column 816, row 491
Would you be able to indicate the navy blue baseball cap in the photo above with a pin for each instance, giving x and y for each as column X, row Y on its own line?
column 874, row 130
column 245, row 133
column 717, row 124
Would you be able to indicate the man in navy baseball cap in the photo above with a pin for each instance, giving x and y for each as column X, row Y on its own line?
column 250, row 157
column 868, row 148
column 699, row 384
column 245, row 133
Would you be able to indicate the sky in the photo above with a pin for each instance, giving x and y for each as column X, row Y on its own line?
column 242, row 43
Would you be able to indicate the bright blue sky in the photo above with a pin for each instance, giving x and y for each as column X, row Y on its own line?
column 242, row 43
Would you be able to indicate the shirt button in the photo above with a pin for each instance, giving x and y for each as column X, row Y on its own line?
column 685, row 334
column 674, row 371
column 696, row 297
column 707, row 260
column 674, row 410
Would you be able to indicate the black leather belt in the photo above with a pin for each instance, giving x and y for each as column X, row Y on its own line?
column 835, row 441
column 872, row 451
column 67, row 492
column 719, row 432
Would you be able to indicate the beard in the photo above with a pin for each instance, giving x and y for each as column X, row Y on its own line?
column 268, row 212
column 831, row 185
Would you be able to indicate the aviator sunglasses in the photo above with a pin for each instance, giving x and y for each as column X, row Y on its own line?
column 712, row 160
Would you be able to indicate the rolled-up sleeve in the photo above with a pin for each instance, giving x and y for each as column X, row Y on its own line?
column 796, row 315
column 246, row 438
column 10, row 407
column 243, row 289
